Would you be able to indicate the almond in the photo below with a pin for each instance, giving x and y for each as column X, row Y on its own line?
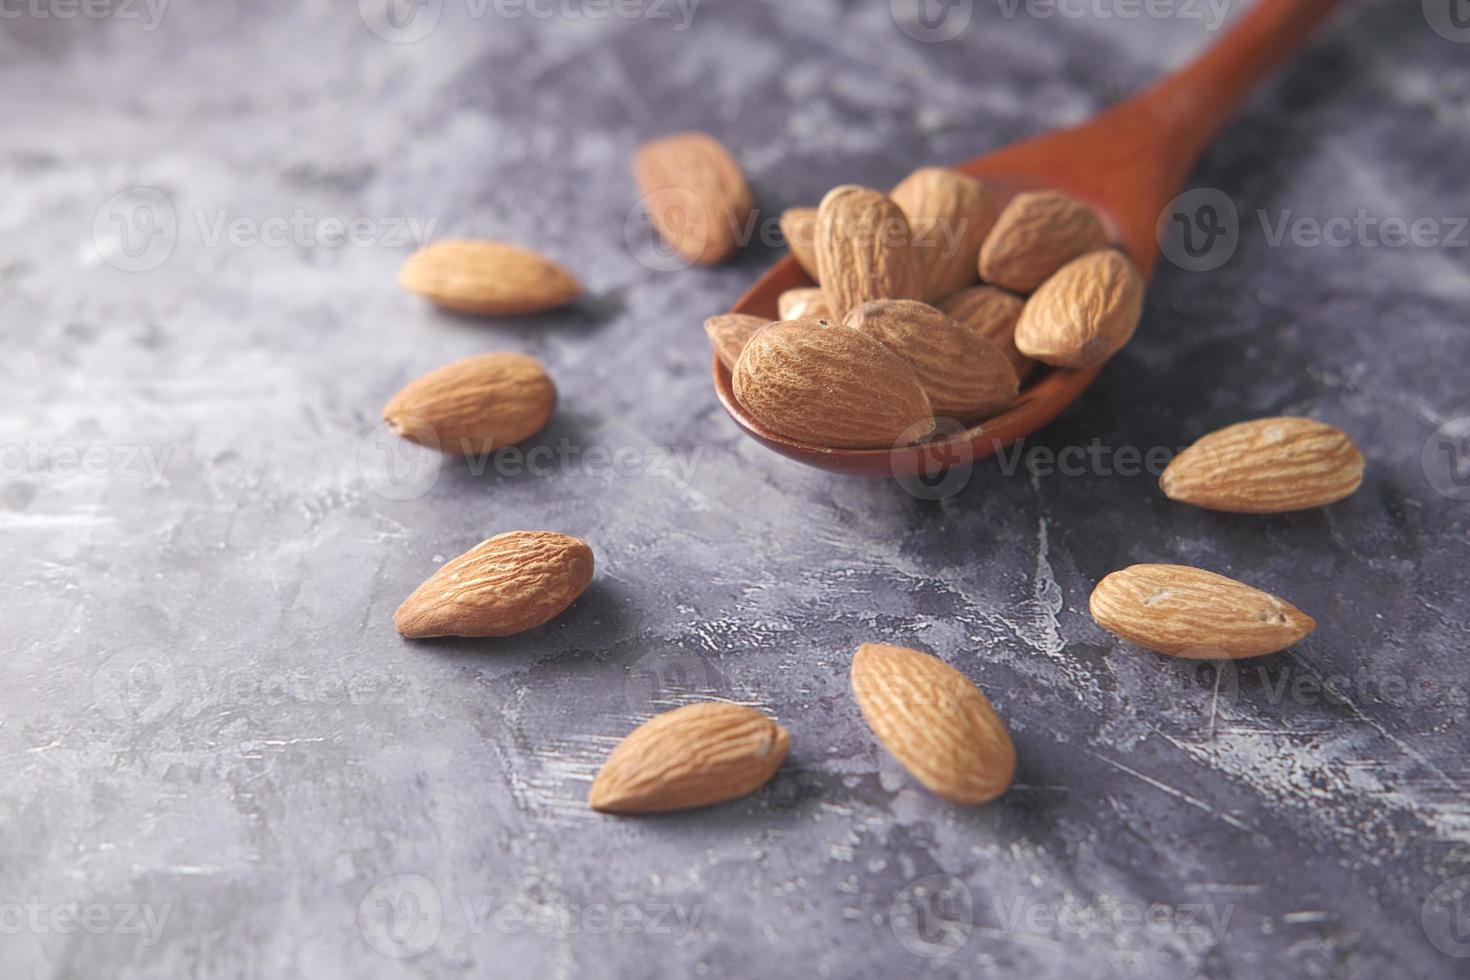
column 950, row 216
column 696, row 195
column 864, row 249
column 831, row 387
column 799, row 228
column 1268, row 466
column 487, row 277
column 475, row 404
column 730, row 332
column 1036, row 234
column 934, row 721
column 990, row 314
column 963, row 376
column 798, row 304
column 1085, row 313
column 694, row 756
column 1189, row 612
column 506, row 585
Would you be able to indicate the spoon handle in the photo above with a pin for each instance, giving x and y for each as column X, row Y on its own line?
column 1183, row 110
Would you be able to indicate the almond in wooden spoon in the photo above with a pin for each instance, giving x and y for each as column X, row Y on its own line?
column 965, row 377
column 1085, row 313
column 827, row 385
column 934, row 721
column 509, row 584
column 488, row 278
column 1267, row 466
column 729, row 332
column 1189, row 612
column 864, row 249
column 991, row 315
column 950, row 216
column 694, row 756
column 1037, row 234
column 696, row 195
column 799, row 228
column 474, row 404
column 798, row 304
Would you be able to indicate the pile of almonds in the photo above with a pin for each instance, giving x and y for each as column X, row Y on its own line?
column 933, row 303
column 898, row 333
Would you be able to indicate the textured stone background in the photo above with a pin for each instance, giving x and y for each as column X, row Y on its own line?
column 207, row 719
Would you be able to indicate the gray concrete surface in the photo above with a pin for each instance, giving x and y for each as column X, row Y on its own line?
column 220, row 761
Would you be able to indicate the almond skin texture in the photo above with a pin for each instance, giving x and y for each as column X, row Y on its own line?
column 506, row 585
column 1037, row 234
column 487, row 278
column 963, row 376
column 1188, row 612
column 826, row 385
column 799, row 304
column 935, row 722
column 1084, row 314
column 696, row 195
column 1268, row 466
column 950, row 216
column 990, row 314
column 864, row 249
column 729, row 333
column 694, row 756
column 799, row 228
column 475, row 404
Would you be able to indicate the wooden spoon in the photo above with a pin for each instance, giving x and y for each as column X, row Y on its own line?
column 1128, row 163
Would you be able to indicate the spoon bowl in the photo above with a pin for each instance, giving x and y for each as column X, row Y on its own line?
column 1127, row 163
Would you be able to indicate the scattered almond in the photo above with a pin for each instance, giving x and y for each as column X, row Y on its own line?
column 964, row 376
column 694, row 756
column 950, row 216
column 1192, row 613
column 1036, row 234
column 1268, row 466
column 934, row 721
column 697, row 197
column 476, row 404
column 864, row 249
column 830, row 386
column 487, row 277
column 799, row 228
column 990, row 314
column 509, row 584
column 796, row 304
column 1085, row 313
column 729, row 333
